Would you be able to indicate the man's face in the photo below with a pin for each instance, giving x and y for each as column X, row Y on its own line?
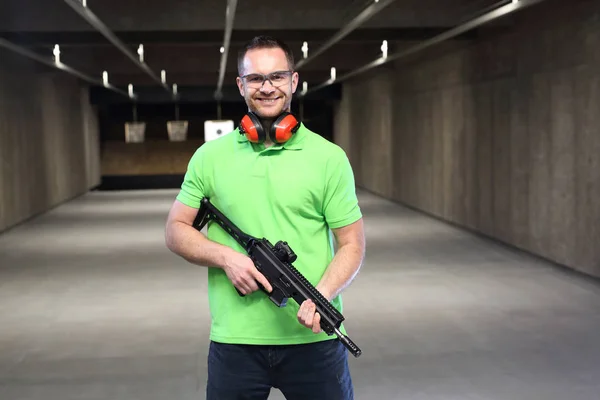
column 271, row 98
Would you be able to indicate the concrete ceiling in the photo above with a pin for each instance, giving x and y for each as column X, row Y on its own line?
column 184, row 37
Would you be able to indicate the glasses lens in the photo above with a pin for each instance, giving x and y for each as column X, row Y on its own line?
column 279, row 78
column 255, row 80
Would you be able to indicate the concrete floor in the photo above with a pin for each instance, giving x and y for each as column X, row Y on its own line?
column 93, row 306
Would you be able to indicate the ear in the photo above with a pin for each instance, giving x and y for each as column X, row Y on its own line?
column 295, row 78
column 240, row 85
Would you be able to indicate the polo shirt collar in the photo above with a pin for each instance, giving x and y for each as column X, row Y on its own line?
column 295, row 143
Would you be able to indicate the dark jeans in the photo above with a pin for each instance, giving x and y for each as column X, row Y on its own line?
column 303, row 372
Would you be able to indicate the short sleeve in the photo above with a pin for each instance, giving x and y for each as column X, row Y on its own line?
column 340, row 203
column 192, row 189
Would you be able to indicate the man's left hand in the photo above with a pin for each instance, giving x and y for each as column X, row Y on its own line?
column 309, row 317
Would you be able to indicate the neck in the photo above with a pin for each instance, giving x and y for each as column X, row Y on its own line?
column 266, row 123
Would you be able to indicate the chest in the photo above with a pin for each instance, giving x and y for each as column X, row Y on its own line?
column 284, row 183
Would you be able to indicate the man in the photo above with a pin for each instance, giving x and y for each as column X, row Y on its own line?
column 299, row 189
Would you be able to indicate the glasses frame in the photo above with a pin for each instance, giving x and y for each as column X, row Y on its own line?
column 267, row 77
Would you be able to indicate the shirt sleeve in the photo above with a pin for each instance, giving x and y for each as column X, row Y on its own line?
column 193, row 186
column 340, row 205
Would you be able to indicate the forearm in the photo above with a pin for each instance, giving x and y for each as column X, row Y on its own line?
column 341, row 271
column 194, row 247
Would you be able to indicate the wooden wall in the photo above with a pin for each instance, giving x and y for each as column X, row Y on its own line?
column 154, row 157
column 48, row 140
column 157, row 155
column 500, row 135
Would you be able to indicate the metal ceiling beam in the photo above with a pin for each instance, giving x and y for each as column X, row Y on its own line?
column 513, row 6
column 229, row 18
column 93, row 20
column 58, row 65
column 360, row 19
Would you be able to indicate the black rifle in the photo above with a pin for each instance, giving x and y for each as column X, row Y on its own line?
column 275, row 263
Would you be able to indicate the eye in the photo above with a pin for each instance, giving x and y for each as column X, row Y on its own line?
column 254, row 78
column 278, row 76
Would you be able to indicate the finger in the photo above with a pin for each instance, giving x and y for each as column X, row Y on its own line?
column 309, row 313
column 252, row 285
column 245, row 286
column 242, row 289
column 302, row 312
column 263, row 281
column 316, row 326
column 311, row 317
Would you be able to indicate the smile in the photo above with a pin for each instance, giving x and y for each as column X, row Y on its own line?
column 269, row 100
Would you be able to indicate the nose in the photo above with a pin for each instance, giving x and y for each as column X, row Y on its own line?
column 267, row 86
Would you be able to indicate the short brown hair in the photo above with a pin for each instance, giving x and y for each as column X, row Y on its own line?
column 264, row 42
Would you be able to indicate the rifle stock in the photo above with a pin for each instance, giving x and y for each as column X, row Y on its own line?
column 275, row 263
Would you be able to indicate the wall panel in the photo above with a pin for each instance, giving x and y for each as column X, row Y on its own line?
column 500, row 135
column 48, row 140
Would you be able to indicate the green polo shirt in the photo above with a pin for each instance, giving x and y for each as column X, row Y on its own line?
column 293, row 192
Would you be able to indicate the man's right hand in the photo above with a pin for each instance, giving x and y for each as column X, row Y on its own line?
column 243, row 274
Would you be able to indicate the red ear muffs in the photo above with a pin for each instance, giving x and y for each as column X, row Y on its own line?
column 252, row 128
column 282, row 129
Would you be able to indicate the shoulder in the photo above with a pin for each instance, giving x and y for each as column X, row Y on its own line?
column 329, row 156
column 323, row 147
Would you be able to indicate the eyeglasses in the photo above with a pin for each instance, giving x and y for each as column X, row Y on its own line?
column 276, row 79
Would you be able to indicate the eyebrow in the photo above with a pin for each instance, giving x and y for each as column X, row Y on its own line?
column 268, row 73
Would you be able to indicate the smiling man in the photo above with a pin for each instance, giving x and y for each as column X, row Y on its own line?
column 274, row 178
column 266, row 79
